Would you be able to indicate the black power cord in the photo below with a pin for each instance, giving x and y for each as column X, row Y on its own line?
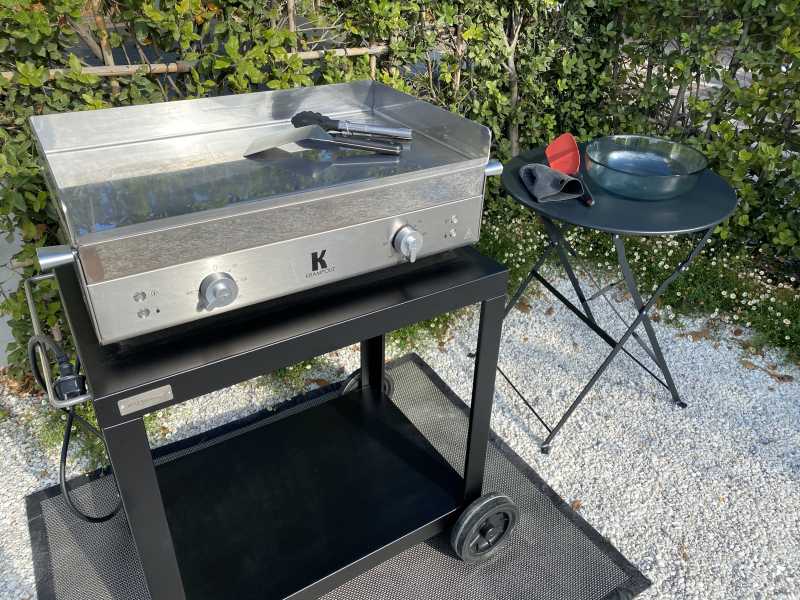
column 70, row 383
column 62, row 471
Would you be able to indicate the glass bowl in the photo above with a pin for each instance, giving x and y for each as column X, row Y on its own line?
column 643, row 167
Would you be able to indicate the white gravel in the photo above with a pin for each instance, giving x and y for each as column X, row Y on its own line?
column 706, row 500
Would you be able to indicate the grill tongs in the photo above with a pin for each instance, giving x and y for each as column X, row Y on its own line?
column 351, row 129
column 314, row 136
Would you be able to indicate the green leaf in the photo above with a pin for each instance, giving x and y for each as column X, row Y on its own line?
column 29, row 231
column 232, row 47
column 18, row 200
column 75, row 63
column 473, row 32
column 31, row 75
column 152, row 13
column 221, row 63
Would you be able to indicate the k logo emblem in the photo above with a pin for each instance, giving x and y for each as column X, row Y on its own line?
column 318, row 261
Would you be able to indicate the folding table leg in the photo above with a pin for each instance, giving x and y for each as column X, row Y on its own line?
column 491, row 325
column 135, row 474
column 658, row 355
column 545, row 447
column 642, row 315
column 524, row 285
column 557, row 238
column 601, row 333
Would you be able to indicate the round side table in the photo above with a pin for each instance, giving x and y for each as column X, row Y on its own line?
column 698, row 211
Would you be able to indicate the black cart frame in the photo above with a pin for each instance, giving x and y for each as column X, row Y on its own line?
column 129, row 381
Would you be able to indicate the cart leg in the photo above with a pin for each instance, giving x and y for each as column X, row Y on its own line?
column 135, row 474
column 480, row 414
column 372, row 362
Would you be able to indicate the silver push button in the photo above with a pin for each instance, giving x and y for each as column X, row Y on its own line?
column 218, row 290
column 408, row 242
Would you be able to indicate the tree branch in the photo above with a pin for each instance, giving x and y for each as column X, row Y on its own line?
column 516, row 23
column 86, row 37
column 105, row 47
column 733, row 67
column 676, row 106
column 186, row 66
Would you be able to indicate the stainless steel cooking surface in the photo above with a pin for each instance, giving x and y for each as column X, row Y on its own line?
column 171, row 222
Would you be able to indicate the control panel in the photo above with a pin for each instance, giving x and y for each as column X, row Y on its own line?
column 188, row 291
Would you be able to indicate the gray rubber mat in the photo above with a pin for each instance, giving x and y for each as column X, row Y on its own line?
column 552, row 555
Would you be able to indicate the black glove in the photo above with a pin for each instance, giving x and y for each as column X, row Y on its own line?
column 548, row 185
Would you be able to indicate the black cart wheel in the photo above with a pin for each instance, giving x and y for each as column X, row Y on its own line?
column 483, row 527
column 354, row 381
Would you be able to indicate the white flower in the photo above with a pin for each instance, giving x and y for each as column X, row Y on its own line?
column 787, row 322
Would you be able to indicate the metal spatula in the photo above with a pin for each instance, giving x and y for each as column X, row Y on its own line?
column 302, row 138
column 305, row 167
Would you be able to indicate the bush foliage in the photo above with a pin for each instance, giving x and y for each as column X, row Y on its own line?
column 721, row 75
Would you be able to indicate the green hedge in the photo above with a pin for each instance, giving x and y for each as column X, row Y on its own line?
column 720, row 75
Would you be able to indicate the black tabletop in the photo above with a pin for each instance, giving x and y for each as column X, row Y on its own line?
column 711, row 201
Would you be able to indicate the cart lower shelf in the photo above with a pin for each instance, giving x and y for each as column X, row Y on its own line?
column 296, row 500
column 256, row 511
